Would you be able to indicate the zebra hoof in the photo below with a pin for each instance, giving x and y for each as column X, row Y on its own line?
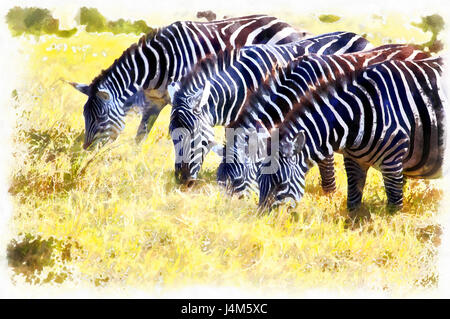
column 328, row 191
column 391, row 209
column 358, row 216
column 353, row 206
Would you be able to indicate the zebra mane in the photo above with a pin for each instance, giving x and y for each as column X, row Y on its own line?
column 104, row 73
column 208, row 67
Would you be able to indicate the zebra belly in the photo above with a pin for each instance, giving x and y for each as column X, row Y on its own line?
column 421, row 159
column 427, row 157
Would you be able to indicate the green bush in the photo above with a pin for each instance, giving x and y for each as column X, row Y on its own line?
column 34, row 21
column 329, row 18
column 125, row 26
column 434, row 24
column 92, row 19
column 96, row 22
column 37, row 21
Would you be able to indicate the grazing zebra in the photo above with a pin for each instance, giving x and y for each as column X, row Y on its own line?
column 143, row 72
column 388, row 115
column 266, row 109
column 217, row 88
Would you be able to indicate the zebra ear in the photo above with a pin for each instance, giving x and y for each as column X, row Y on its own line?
column 201, row 98
column 205, row 94
column 290, row 146
column 217, row 149
column 299, row 141
column 172, row 89
column 83, row 88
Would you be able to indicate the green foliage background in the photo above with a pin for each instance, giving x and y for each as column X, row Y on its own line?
column 37, row 21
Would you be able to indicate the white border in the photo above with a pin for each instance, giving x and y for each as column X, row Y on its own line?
column 113, row 9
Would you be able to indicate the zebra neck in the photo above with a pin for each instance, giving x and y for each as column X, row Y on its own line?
column 144, row 65
column 222, row 102
column 248, row 140
column 135, row 70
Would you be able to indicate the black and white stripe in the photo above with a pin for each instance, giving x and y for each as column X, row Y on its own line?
column 386, row 113
column 267, row 108
column 216, row 90
column 143, row 72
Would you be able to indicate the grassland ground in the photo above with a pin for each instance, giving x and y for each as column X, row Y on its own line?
column 116, row 216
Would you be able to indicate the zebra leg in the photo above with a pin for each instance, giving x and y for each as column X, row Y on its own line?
column 150, row 112
column 326, row 169
column 356, row 178
column 393, row 183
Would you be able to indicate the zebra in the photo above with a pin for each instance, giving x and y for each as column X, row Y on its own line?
column 140, row 76
column 266, row 108
column 217, row 88
column 389, row 116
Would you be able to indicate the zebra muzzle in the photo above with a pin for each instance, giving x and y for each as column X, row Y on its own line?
column 86, row 145
column 183, row 176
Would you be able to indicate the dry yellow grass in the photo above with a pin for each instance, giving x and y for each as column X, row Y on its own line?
column 118, row 217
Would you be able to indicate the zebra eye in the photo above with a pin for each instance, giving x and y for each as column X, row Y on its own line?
column 103, row 95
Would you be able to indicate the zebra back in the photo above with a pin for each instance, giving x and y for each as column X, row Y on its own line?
column 163, row 57
column 278, row 94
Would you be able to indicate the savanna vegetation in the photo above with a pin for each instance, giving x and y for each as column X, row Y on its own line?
column 116, row 216
column 39, row 21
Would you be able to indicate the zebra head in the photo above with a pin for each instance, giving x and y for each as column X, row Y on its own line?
column 237, row 172
column 190, row 130
column 241, row 159
column 281, row 176
column 103, row 115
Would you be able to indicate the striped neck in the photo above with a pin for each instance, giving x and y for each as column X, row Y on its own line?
column 123, row 79
column 226, row 91
column 328, row 127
